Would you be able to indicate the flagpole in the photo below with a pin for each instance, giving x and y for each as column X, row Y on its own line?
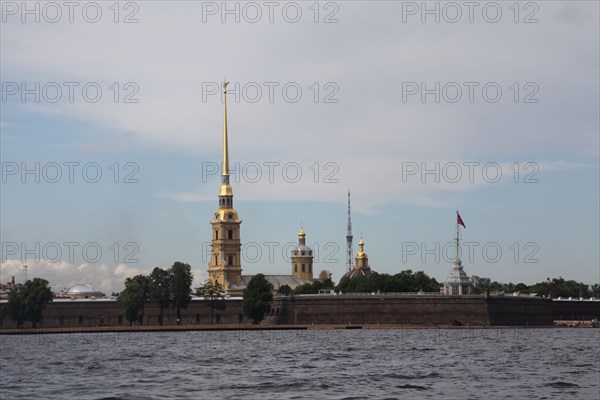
column 457, row 237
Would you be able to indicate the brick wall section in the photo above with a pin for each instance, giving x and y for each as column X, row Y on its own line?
column 373, row 309
column 519, row 311
column 575, row 310
column 69, row 314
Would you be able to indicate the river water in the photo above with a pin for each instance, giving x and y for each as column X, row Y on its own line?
column 550, row 363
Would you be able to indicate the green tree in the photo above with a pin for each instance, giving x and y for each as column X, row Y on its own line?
column 258, row 296
column 160, row 289
column 142, row 282
column 306, row 288
column 424, row 283
column 285, row 290
column 595, row 290
column 134, row 297
column 214, row 294
column 27, row 301
column 132, row 301
column 15, row 307
column 181, row 286
column 558, row 287
column 2, row 314
column 328, row 284
column 342, row 285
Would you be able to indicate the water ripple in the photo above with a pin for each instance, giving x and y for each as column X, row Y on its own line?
column 323, row 364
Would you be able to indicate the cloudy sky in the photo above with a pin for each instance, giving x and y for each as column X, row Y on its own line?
column 111, row 129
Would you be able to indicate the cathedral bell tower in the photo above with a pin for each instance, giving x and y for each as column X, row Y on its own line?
column 225, row 263
column 302, row 259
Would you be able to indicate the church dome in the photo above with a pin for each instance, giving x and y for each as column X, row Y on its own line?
column 84, row 290
column 361, row 263
column 302, row 250
column 359, row 272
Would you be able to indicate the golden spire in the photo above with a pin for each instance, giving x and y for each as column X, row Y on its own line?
column 301, row 234
column 225, row 166
column 225, row 187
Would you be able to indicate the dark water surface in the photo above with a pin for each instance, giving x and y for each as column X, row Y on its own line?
column 489, row 363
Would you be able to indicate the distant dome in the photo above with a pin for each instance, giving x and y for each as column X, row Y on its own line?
column 324, row 275
column 359, row 272
column 302, row 250
column 84, row 290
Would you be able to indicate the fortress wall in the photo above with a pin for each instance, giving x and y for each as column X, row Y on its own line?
column 341, row 309
column 72, row 314
column 520, row 311
column 575, row 310
column 373, row 309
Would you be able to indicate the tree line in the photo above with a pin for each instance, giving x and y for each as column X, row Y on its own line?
column 555, row 287
column 405, row 281
column 165, row 287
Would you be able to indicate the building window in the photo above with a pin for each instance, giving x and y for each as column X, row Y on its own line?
column 197, row 318
column 218, row 319
column 61, row 320
column 80, row 319
column 303, row 253
column 216, row 234
column 216, row 259
column 295, row 267
column 230, row 234
column 231, row 259
column 310, row 252
column 240, row 317
column 120, row 320
column 303, row 269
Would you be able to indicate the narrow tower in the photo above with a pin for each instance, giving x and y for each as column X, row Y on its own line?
column 349, row 264
column 302, row 259
column 225, row 263
column 457, row 282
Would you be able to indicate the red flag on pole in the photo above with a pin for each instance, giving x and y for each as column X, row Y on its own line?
column 460, row 221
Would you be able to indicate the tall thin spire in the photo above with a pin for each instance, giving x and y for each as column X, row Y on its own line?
column 226, row 193
column 349, row 259
column 225, row 165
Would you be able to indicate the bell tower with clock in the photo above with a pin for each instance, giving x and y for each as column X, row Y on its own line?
column 225, row 263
